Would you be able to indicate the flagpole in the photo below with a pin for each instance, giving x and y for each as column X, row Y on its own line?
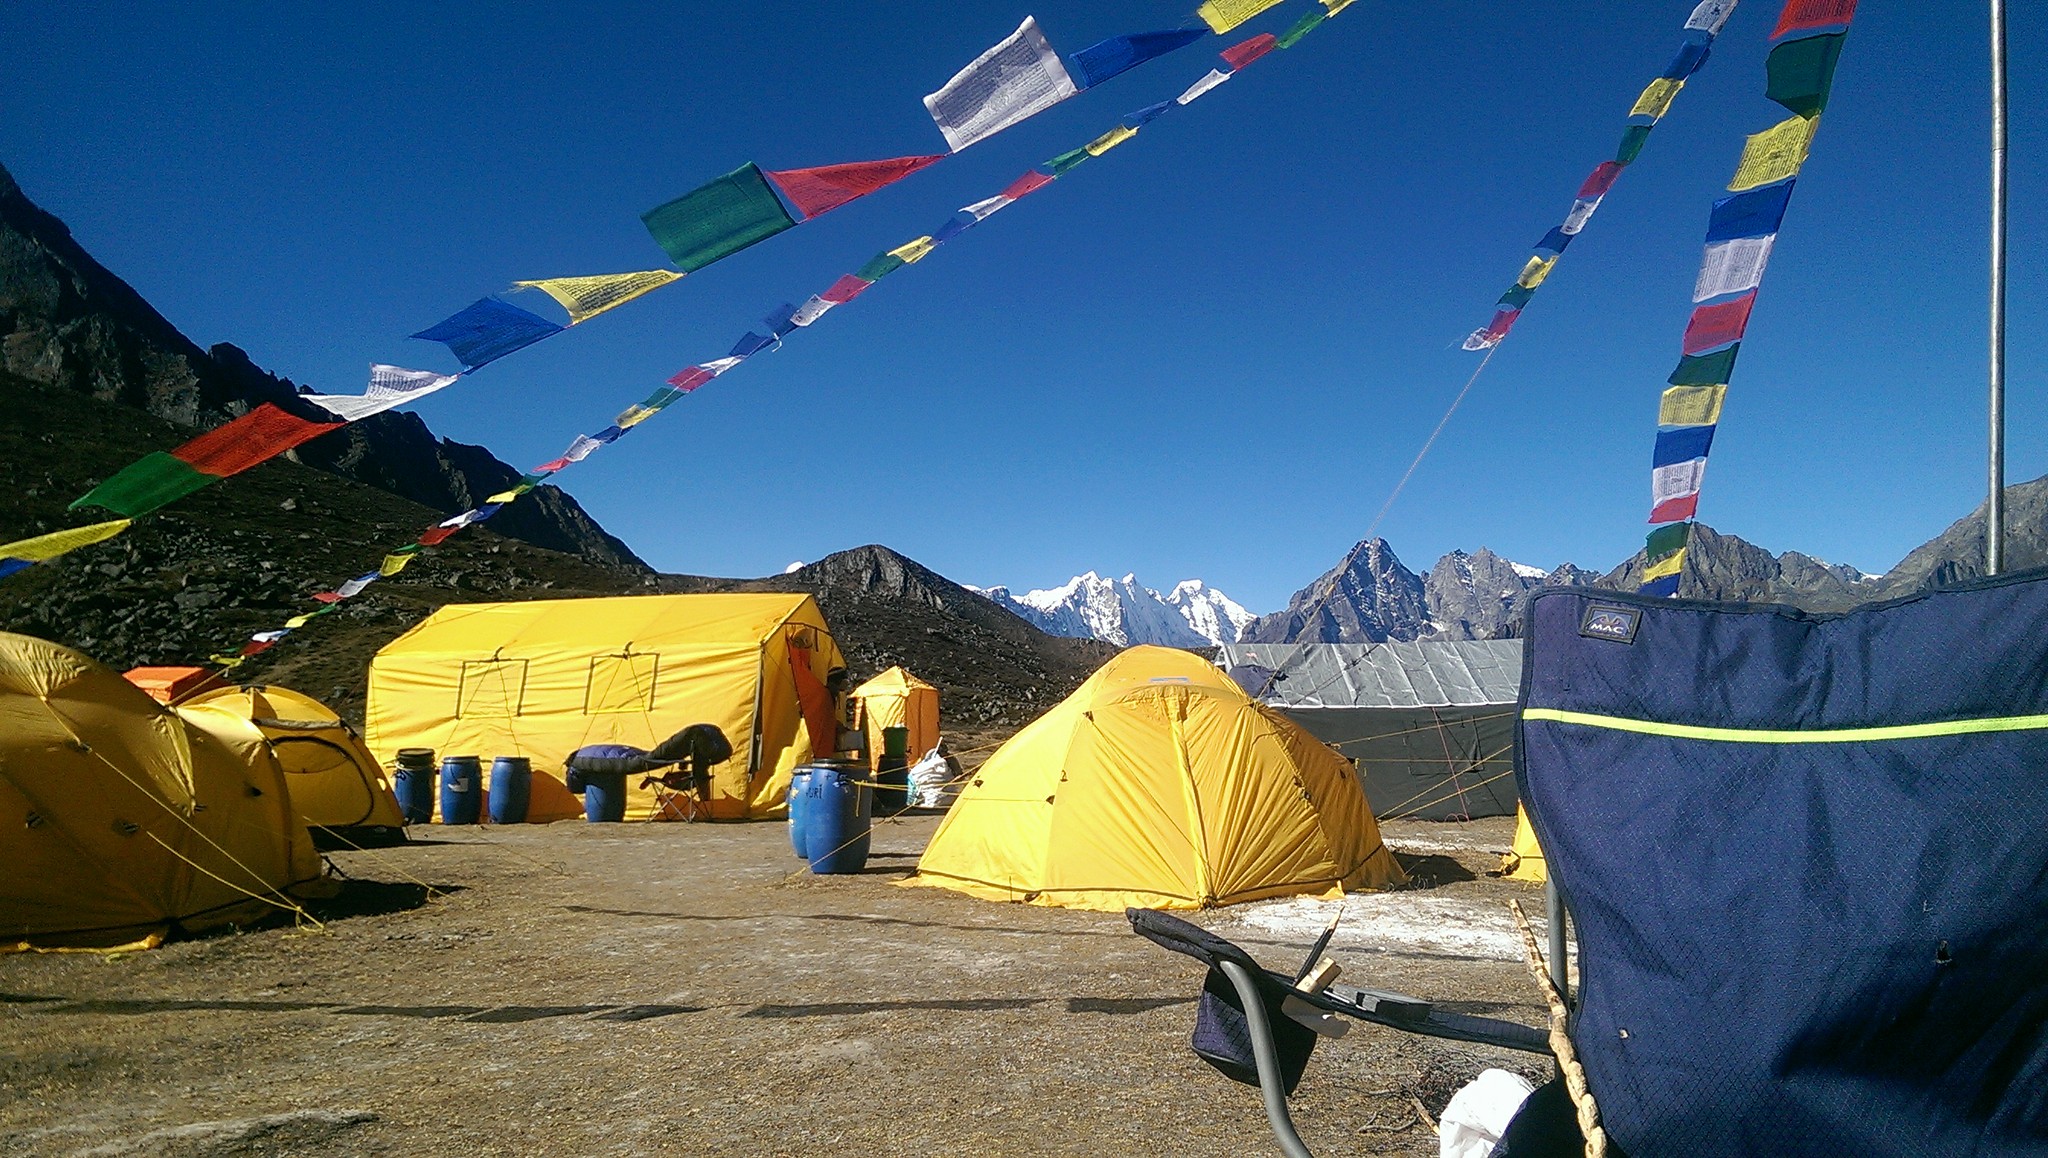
column 1994, row 507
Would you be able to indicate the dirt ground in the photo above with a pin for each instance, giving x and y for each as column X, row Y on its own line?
column 691, row 989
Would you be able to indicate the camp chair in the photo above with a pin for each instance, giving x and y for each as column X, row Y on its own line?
column 1806, row 860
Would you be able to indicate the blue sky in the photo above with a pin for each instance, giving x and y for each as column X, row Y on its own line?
column 1211, row 353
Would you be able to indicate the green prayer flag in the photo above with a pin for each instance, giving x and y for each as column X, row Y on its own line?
column 719, row 219
column 1632, row 143
column 1516, row 297
column 882, row 265
column 155, row 480
column 1302, row 27
column 1802, row 71
column 1665, row 540
column 1061, row 164
column 1705, row 369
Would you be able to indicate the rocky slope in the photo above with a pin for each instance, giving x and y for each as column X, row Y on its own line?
column 1368, row 597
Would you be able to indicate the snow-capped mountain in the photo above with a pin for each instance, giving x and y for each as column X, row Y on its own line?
column 1127, row 613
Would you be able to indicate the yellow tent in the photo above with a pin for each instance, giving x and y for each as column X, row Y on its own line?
column 543, row 678
column 1525, row 863
column 121, row 817
column 897, row 699
column 1158, row 784
column 336, row 785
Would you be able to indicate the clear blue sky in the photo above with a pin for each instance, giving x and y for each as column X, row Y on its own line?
column 1211, row 353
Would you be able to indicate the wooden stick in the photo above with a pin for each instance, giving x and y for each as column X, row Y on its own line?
column 1561, row 1042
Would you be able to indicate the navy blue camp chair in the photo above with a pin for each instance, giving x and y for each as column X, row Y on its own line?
column 1806, row 861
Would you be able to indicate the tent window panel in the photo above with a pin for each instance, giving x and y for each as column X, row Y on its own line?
column 621, row 683
column 491, row 687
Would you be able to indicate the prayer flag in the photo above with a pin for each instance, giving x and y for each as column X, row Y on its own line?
column 394, row 563
column 154, row 480
column 511, row 493
column 1718, row 325
column 581, row 448
column 1017, row 79
column 433, row 536
column 42, row 548
column 1148, row 114
column 1813, row 15
column 1301, row 28
column 1029, row 183
column 690, row 379
column 821, row 190
column 1706, row 369
column 721, row 365
column 1632, row 141
column 13, row 566
column 1691, row 406
column 1774, row 154
column 1098, row 62
column 814, row 307
column 298, row 621
column 587, row 297
column 782, row 321
column 1201, row 86
column 879, row 267
column 389, row 386
column 1710, row 16
column 1224, row 15
column 1555, row 241
column 1534, row 272
column 1059, row 166
column 1664, row 540
column 847, row 288
column 1676, row 488
column 488, row 330
column 954, row 227
column 1692, row 56
column 986, row 206
column 355, row 586
column 1666, row 566
column 1244, row 52
column 1665, row 588
column 1802, row 71
column 749, row 345
column 1517, row 297
column 1682, row 444
column 261, row 434
column 1599, row 181
column 611, row 434
column 1336, row 6
column 1109, row 140
column 911, row 252
column 1503, row 321
column 718, row 219
column 1656, row 99
column 1730, row 267
column 1756, row 213
column 1582, row 212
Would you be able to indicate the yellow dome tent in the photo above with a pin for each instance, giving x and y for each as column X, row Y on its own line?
column 897, row 699
column 1158, row 784
column 121, row 817
column 336, row 785
column 545, row 677
column 1525, row 863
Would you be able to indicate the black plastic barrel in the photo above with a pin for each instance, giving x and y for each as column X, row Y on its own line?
column 837, row 816
column 462, row 789
column 892, row 773
column 604, row 797
column 511, row 789
column 415, row 783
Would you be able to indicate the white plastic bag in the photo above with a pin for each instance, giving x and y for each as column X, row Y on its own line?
column 933, row 780
column 1479, row 1114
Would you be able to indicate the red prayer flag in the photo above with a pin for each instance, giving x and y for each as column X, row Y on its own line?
column 1503, row 321
column 551, row 466
column 256, row 646
column 263, row 433
column 434, row 535
column 847, row 288
column 1672, row 510
column 1718, row 325
column 1029, row 183
column 328, row 597
column 690, row 379
column 815, row 191
column 1808, row 15
column 1243, row 53
column 1600, row 180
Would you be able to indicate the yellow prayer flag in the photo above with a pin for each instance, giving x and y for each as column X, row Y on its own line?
column 1336, row 6
column 1656, row 99
column 508, row 496
column 1224, row 15
column 393, row 564
column 632, row 416
column 1534, row 272
column 1668, row 565
column 1109, row 140
column 298, row 621
column 1691, row 406
column 912, row 251
column 1774, row 154
column 56, row 543
column 587, row 297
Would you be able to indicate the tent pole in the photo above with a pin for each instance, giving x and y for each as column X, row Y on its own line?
column 1994, row 507
column 1553, row 913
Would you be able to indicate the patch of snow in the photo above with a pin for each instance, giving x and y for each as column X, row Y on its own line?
column 793, row 567
column 1400, row 921
column 1125, row 612
column 1528, row 572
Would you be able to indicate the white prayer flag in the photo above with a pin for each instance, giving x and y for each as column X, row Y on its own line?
column 981, row 209
column 719, row 366
column 354, row 587
column 1710, row 16
column 389, row 386
column 1676, row 481
column 1017, row 79
column 1730, row 267
column 1482, row 339
column 1582, row 212
column 581, row 448
column 1201, row 86
column 811, row 311
column 462, row 520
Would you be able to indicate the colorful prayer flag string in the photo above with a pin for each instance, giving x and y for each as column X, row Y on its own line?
column 1651, row 106
column 1741, row 230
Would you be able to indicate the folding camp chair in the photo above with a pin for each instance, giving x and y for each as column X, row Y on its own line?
column 1806, row 860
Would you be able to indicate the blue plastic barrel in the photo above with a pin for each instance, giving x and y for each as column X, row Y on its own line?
column 511, row 789
column 798, row 832
column 604, row 797
column 461, row 789
column 837, row 815
column 415, row 784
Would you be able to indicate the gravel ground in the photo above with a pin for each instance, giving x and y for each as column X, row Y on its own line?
column 689, row 989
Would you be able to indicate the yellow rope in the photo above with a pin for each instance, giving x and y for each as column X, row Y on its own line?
column 1561, row 1042
column 287, row 904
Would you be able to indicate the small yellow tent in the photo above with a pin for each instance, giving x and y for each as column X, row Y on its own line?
column 121, row 817
column 1525, row 863
column 1158, row 784
column 897, row 699
column 543, row 678
column 335, row 783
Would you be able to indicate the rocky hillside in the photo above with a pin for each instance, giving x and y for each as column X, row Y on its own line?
column 69, row 323
column 1368, row 597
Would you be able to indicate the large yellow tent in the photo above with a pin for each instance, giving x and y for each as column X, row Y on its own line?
column 336, row 785
column 543, row 678
column 1159, row 784
column 121, row 818
column 897, row 699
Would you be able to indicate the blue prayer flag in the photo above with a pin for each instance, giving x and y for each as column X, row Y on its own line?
column 1664, row 588
column 781, row 321
column 750, row 345
column 609, row 434
column 1691, row 55
column 1098, row 62
column 1676, row 444
column 10, row 566
column 489, row 330
column 1555, row 241
column 1147, row 115
column 1755, row 213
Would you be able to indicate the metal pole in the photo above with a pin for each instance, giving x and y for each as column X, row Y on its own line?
column 1994, row 507
column 1554, row 914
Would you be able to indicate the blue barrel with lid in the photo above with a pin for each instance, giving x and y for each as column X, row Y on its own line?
column 799, row 831
column 838, row 814
column 511, row 789
column 462, row 790
column 415, row 783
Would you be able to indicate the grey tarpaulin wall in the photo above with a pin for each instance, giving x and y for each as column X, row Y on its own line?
column 1430, row 725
